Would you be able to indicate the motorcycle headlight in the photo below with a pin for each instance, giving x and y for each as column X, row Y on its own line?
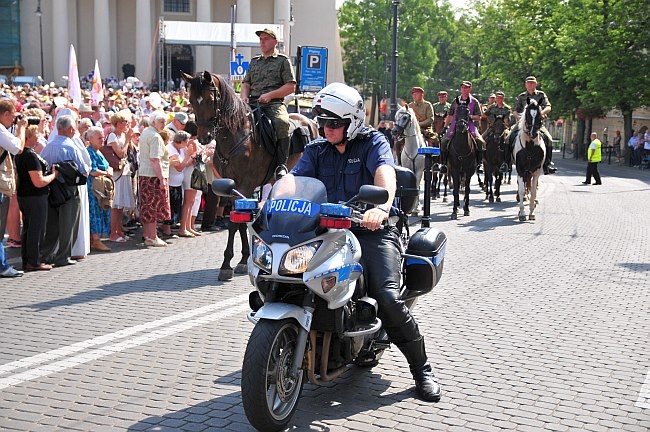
column 296, row 260
column 262, row 255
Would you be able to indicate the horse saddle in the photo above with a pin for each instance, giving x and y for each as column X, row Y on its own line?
column 264, row 133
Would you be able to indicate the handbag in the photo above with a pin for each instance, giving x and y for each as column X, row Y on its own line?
column 7, row 175
column 199, row 179
column 113, row 160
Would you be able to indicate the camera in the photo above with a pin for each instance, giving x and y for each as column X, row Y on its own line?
column 33, row 120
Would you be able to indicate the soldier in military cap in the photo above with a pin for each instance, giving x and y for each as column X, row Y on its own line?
column 440, row 111
column 541, row 99
column 269, row 79
column 423, row 112
column 472, row 108
column 498, row 111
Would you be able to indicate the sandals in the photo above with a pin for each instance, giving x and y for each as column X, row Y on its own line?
column 118, row 240
column 156, row 242
column 186, row 234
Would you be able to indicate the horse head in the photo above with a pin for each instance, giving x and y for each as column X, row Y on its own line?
column 531, row 121
column 215, row 104
column 403, row 121
column 499, row 125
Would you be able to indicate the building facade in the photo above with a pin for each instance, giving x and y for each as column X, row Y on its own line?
column 123, row 34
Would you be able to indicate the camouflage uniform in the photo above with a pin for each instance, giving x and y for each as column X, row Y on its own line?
column 492, row 112
column 265, row 75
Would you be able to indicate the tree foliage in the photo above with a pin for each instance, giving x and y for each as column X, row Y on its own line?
column 589, row 54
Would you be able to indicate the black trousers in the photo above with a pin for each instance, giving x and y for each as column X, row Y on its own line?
column 61, row 231
column 381, row 262
column 592, row 169
column 34, row 210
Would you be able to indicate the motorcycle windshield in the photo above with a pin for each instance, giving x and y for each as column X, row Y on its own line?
column 291, row 214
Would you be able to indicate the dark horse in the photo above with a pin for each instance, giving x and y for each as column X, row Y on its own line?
column 461, row 161
column 493, row 157
column 221, row 115
column 439, row 179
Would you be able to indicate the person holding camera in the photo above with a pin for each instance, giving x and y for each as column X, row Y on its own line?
column 10, row 144
column 33, row 188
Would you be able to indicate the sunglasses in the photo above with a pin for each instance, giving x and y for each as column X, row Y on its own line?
column 331, row 123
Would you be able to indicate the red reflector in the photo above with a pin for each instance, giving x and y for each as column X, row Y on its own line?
column 240, row 217
column 337, row 223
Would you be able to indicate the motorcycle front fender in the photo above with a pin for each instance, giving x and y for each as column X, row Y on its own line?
column 280, row 311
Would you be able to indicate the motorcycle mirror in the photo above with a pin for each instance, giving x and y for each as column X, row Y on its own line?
column 223, row 187
column 371, row 194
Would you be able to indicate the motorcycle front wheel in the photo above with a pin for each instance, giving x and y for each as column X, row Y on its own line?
column 270, row 395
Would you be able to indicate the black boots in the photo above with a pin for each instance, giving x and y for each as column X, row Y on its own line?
column 426, row 383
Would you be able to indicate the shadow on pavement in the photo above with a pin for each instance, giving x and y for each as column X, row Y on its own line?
column 170, row 282
column 356, row 391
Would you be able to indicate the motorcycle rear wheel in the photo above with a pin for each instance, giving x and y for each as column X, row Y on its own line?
column 270, row 396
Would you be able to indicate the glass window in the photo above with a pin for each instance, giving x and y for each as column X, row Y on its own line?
column 177, row 6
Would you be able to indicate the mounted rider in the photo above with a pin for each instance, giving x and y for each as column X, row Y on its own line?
column 351, row 155
column 424, row 113
column 465, row 107
column 522, row 100
column 498, row 111
column 440, row 112
column 270, row 78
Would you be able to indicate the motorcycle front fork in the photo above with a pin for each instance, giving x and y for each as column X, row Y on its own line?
column 301, row 340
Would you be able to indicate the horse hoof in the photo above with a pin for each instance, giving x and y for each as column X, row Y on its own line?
column 498, row 199
column 241, row 269
column 491, row 200
column 444, row 200
column 466, row 212
column 531, row 217
column 522, row 218
column 454, row 216
column 225, row 274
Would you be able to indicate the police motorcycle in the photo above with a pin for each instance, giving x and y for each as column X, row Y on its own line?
column 310, row 309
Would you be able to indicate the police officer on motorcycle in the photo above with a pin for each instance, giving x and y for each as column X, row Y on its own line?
column 351, row 155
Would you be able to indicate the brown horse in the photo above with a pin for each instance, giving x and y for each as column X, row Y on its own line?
column 493, row 157
column 221, row 115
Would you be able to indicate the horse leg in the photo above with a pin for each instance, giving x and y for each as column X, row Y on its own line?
column 225, row 272
column 455, row 178
column 466, row 200
column 497, row 186
column 520, row 196
column 242, row 266
column 445, row 181
column 533, row 195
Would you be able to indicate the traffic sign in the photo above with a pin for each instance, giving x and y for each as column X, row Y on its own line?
column 313, row 68
column 238, row 68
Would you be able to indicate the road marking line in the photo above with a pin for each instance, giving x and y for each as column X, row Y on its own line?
column 120, row 334
column 98, row 353
column 644, row 394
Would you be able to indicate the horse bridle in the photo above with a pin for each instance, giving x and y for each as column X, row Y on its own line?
column 216, row 127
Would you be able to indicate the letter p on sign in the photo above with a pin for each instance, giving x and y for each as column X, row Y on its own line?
column 313, row 61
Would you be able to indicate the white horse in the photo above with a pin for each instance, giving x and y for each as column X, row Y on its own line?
column 407, row 127
column 529, row 153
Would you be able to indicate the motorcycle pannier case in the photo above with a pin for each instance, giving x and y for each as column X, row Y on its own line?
column 424, row 259
column 406, row 193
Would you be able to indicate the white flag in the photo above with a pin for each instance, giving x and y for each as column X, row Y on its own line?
column 97, row 91
column 74, row 85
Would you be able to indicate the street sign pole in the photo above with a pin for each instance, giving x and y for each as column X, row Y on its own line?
column 298, row 63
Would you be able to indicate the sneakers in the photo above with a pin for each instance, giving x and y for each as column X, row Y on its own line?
column 14, row 243
column 157, row 242
column 11, row 272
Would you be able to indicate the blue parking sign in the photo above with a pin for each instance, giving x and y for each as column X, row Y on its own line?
column 313, row 68
column 238, row 68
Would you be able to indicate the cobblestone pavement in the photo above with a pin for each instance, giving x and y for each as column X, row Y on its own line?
column 535, row 326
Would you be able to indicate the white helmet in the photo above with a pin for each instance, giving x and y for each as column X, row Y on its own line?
column 339, row 101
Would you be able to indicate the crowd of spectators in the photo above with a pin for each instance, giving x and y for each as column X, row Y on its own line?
column 137, row 150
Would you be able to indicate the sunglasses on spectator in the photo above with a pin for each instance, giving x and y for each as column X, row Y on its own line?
column 331, row 123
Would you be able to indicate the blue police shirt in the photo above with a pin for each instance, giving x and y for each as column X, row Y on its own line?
column 343, row 174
